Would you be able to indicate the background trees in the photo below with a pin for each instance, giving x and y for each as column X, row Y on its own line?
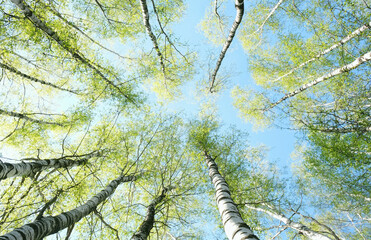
column 91, row 81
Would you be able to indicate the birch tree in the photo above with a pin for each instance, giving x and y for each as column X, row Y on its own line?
column 234, row 225
column 302, row 229
column 147, row 224
column 239, row 4
column 27, row 169
column 203, row 136
column 50, row 225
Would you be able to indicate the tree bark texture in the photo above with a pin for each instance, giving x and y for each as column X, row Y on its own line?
column 27, row 169
column 145, row 13
column 50, row 225
column 234, row 226
column 239, row 4
column 147, row 225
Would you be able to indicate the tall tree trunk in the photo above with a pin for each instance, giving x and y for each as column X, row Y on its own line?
column 26, row 118
column 234, row 226
column 260, row 28
column 19, row 73
column 27, row 169
column 26, row 10
column 50, row 225
column 301, row 228
column 147, row 225
column 338, row 44
column 145, row 13
column 356, row 63
column 239, row 4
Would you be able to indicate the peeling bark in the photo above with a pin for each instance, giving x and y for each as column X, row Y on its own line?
column 234, row 226
column 147, row 225
column 362, row 59
column 239, row 4
column 50, row 225
column 27, row 169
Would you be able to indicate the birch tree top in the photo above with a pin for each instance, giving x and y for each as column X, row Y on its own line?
column 95, row 92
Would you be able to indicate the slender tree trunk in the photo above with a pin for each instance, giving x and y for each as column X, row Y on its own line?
column 338, row 44
column 27, row 169
column 239, row 4
column 357, row 62
column 260, row 28
column 25, row 117
column 143, row 4
column 234, row 226
column 64, row 44
column 59, row 15
column 50, row 225
column 291, row 224
column 19, row 73
column 147, row 225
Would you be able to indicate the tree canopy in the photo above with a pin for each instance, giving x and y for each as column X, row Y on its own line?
column 94, row 144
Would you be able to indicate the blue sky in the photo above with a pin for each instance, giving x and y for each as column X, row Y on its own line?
column 280, row 142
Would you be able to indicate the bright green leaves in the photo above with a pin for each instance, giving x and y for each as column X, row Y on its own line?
column 252, row 106
column 215, row 24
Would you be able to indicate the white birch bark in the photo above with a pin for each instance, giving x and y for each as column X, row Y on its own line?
column 357, row 62
column 27, row 169
column 301, row 228
column 239, row 4
column 268, row 16
column 147, row 225
column 234, row 226
column 145, row 14
column 50, row 225
column 341, row 42
column 25, row 9
column 25, row 117
column 19, row 73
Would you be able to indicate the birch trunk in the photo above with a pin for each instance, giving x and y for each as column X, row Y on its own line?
column 260, row 28
column 25, row 117
column 143, row 4
column 239, row 4
column 301, row 228
column 19, row 73
column 357, row 62
column 25, row 9
column 50, row 225
column 147, row 225
column 234, row 226
column 27, row 169
column 341, row 42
